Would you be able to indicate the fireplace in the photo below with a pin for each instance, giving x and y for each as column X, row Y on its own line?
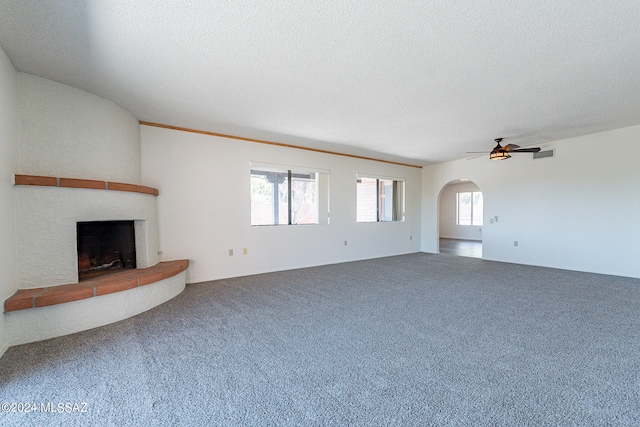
column 105, row 247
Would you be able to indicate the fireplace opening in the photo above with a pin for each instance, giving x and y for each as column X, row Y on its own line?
column 105, row 247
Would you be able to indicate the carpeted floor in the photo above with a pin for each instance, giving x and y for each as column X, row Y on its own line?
column 417, row 339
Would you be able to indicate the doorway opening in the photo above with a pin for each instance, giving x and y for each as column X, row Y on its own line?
column 460, row 219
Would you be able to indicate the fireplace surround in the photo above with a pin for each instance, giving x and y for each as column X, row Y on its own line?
column 79, row 161
column 47, row 218
column 54, row 298
column 105, row 247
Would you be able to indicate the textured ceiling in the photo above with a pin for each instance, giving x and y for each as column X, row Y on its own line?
column 420, row 80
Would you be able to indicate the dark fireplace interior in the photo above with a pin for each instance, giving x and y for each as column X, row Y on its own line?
column 105, row 247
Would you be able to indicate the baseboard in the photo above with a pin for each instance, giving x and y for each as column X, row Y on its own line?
column 461, row 238
column 193, row 281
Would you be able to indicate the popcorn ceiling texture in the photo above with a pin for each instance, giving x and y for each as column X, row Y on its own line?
column 425, row 80
column 72, row 133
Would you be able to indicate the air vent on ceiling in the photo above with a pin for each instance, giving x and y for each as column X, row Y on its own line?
column 544, row 154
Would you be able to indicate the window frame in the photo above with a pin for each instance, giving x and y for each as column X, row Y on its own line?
column 472, row 216
column 291, row 173
column 398, row 198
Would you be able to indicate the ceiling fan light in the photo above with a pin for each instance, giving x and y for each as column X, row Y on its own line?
column 499, row 155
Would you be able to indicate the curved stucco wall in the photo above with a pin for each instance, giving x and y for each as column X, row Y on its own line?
column 46, row 220
column 42, row 323
column 8, row 166
column 68, row 132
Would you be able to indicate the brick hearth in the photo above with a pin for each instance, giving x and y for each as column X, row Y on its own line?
column 116, row 282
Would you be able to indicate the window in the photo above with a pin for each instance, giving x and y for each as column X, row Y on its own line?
column 469, row 208
column 282, row 195
column 379, row 199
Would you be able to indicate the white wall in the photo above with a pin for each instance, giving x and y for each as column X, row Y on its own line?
column 8, row 167
column 447, row 211
column 204, row 207
column 67, row 132
column 576, row 211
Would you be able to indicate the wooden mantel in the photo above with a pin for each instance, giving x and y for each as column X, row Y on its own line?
column 51, row 181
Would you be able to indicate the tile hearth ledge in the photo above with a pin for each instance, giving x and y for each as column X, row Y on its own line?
column 116, row 282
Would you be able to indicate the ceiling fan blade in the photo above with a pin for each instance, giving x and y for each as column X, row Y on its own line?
column 526, row 150
column 500, row 152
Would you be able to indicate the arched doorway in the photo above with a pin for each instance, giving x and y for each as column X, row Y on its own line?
column 460, row 219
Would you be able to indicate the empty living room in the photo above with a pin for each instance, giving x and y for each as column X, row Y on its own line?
column 321, row 214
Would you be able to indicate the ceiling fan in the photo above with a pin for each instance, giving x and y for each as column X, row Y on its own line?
column 502, row 153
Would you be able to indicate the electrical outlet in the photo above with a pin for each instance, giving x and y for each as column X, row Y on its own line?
column 345, row 243
column 230, row 252
column 515, row 243
column 244, row 251
column 410, row 237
